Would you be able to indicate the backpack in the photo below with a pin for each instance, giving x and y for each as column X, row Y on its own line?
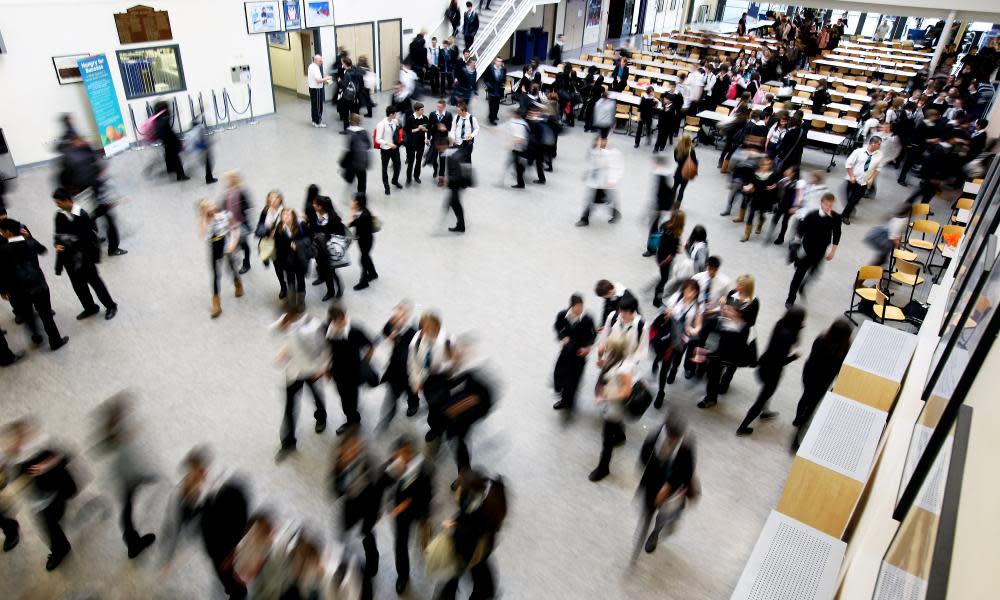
column 614, row 319
column 495, row 504
column 350, row 93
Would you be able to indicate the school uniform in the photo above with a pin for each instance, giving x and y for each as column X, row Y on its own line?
column 396, row 374
column 23, row 280
column 388, row 139
column 347, row 349
column 439, row 128
column 413, row 487
column 578, row 333
column 76, row 232
column 647, row 106
column 306, row 357
column 428, row 362
column 416, row 138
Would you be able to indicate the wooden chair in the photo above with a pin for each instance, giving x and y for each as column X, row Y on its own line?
column 624, row 113
column 947, row 232
column 723, row 110
column 924, row 227
column 961, row 204
column 817, row 124
column 885, row 311
column 839, row 129
column 802, row 94
column 917, row 210
column 831, row 113
column 907, row 273
column 862, row 291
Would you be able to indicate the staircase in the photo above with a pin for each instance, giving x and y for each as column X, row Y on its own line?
column 496, row 26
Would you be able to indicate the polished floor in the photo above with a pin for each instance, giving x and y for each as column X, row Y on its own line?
column 213, row 381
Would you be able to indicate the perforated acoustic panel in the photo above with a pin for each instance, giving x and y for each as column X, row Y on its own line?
column 791, row 561
column 844, row 436
column 881, row 350
column 896, row 584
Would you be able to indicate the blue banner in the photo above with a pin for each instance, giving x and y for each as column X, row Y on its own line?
column 96, row 73
column 293, row 15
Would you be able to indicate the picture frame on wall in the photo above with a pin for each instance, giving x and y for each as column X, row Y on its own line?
column 292, row 14
column 279, row 40
column 318, row 13
column 263, row 16
column 67, row 69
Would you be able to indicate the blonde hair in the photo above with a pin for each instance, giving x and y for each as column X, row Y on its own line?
column 205, row 205
column 615, row 348
column 684, row 146
column 430, row 319
column 675, row 226
column 747, row 282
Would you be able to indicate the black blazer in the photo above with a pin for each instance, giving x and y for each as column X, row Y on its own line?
column 79, row 236
column 619, row 78
column 471, row 25
column 494, row 83
column 224, row 517
column 581, row 334
column 435, row 120
column 556, row 54
column 19, row 270
column 396, row 370
column 418, row 492
column 345, row 355
column 364, row 229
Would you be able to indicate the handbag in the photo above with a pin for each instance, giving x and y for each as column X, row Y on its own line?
column 336, row 249
column 690, row 169
column 368, row 374
column 638, row 401
column 376, row 224
column 265, row 249
column 440, row 558
column 748, row 358
column 653, row 242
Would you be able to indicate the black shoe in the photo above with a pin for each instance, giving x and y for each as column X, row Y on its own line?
column 518, row 186
column 361, row 285
column 539, row 181
column 560, row 405
column 409, row 180
column 457, row 229
column 671, row 375
column 402, row 584
column 185, row 178
column 779, row 241
column 110, row 313
column 657, row 302
column 706, row 403
column 15, row 357
column 117, row 252
column 397, row 185
column 11, row 542
column 902, row 183
column 89, row 312
column 244, row 268
column 582, row 223
column 649, row 253
column 372, row 276
column 598, row 474
column 144, row 542
column 768, row 415
column 688, row 374
column 744, row 431
column 431, row 435
column 788, row 304
column 845, row 221
column 282, row 294
column 55, row 559
column 283, row 453
column 318, row 281
column 328, row 296
column 210, row 181
column 343, row 428
column 658, row 401
column 412, row 411
column 651, row 542
column 417, row 179
column 615, row 216
column 320, row 426
column 37, row 340
column 619, row 442
column 388, row 192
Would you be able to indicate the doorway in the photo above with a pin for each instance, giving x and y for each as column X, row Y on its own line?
column 617, row 18
column 574, row 20
column 358, row 40
column 390, row 51
column 290, row 62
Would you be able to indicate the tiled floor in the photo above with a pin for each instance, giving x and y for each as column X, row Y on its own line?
column 213, row 381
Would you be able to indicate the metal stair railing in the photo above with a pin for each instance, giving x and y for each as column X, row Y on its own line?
column 498, row 30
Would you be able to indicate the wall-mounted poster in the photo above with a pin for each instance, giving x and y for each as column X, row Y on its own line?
column 67, row 69
column 592, row 23
column 263, row 17
column 293, row 14
column 319, row 13
column 96, row 73
column 279, row 39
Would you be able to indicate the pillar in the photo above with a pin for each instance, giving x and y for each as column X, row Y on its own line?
column 939, row 48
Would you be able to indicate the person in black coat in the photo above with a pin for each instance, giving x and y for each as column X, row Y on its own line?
column 818, row 234
column 473, row 530
column 325, row 222
column 495, row 80
column 733, row 323
column 439, row 126
column 172, row 145
column 364, row 230
column 417, row 58
column 787, row 192
column 454, row 16
column 356, row 156
column 355, row 480
column 469, row 398
column 792, row 144
column 647, row 107
column 267, row 224
column 22, row 282
column 78, row 251
column 471, row 25
column 417, row 125
column 820, row 97
column 399, row 330
column 576, row 333
column 52, row 484
column 619, row 75
column 556, row 52
column 667, row 481
column 350, row 351
column 763, row 191
column 412, row 487
column 668, row 118
column 292, row 252
column 772, row 363
column 819, row 371
column 456, row 164
column 217, row 510
column 80, row 170
column 349, row 92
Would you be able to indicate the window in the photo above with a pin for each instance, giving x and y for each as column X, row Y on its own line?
column 151, row 71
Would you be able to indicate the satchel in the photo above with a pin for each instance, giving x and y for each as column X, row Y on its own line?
column 689, row 170
column 440, row 558
column 376, row 224
column 265, row 249
column 638, row 401
column 749, row 356
column 653, row 242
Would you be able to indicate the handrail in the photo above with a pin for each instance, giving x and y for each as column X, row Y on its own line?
column 499, row 16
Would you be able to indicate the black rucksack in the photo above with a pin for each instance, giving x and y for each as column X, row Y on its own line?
column 350, row 93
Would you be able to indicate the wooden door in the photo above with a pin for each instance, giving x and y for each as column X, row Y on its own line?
column 390, row 51
column 576, row 16
column 358, row 40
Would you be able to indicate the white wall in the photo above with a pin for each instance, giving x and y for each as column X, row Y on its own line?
column 212, row 37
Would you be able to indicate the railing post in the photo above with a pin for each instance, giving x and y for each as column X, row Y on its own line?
column 252, row 121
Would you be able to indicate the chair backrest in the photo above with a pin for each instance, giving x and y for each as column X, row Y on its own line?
column 964, row 203
column 802, row 94
column 920, row 209
column 722, row 110
column 869, row 273
column 926, row 226
column 693, row 121
column 908, row 268
column 818, row 124
column 838, row 128
column 831, row 113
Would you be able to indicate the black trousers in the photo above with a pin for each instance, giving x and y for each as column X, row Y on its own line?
column 912, row 155
column 403, row 528
column 104, row 210
column 367, row 266
column 361, row 175
column 280, row 273
column 364, row 510
column 925, row 193
column 208, row 166
column 769, row 380
column 664, row 278
column 85, row 278
column 494, row 102
column 433, row 76
column 218, row 248
column 803, row 268
column 518, row 158
column 483, row 583
column 348, row 391
column 316, row 99
column 812, row 395
column 387, row 156
column 679, row 188
column 129, row 533
column 9, row 526
column 455, row 204
column 783, row 215
column 612, row 434
column 414, row 160
column 447, row 80
column 292, row 408
column 37, row 301
column 601, row 196
column 172, row 157
column 6, row 356
column 718, row 375
column 469, row 40
column 51, row 517
column 399, row 386
column 647, row 125
column 567, row 375
column 855, row 192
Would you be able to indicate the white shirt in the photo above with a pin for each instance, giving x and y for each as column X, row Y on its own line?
column 427, row 357
column 637, row 346
column 712, row 289
column 862, row 168
column 467, row 124
column 315, row 76
column 409, row 80
column 518, row 129
column 385, row 133
column 305, row 348
column 73, row 212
